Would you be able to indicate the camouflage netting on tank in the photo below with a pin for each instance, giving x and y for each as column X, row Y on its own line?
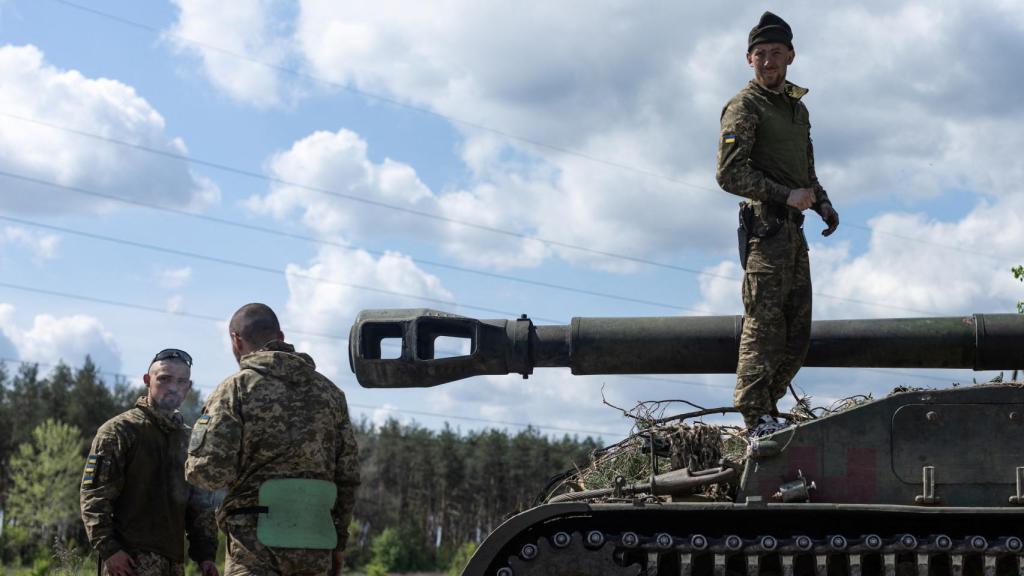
column 658, row 444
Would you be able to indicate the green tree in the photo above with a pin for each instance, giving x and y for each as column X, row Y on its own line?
column 461, row 559
column 43, row 495
column 387, row 550
column 1018, row 273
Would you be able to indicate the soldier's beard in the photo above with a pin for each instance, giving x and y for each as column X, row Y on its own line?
column 168, row 403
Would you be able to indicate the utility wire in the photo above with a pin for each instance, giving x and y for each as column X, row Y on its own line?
column 366, row 406
column 433, row 216
column 258, row 268
column 219, row 320
column 388, row 100
column 342, row 338
column 131, row 306
column 314, row 240
column 456, row 120
column 359, row 199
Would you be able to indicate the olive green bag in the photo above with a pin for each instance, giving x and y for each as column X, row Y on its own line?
column 298, row 514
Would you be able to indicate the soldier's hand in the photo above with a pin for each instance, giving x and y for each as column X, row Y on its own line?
column 801, row 198
column 831, row 217
column 120, row 564
column 208, row 568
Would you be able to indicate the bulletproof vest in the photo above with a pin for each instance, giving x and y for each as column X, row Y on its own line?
column 783, row 136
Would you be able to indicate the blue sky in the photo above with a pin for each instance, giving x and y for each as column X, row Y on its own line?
column 574, row 125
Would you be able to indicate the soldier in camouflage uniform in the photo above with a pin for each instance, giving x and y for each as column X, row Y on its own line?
column 276, row 418
column 765, row 155
column 136, row 506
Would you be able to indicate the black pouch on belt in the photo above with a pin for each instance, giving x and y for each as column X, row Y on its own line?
column 744, row 231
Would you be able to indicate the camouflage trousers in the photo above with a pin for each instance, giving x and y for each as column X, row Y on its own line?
column 153, row 564
column 246, row 555
column 777, row 320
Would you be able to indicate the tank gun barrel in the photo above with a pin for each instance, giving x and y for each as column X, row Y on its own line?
column 657, row 345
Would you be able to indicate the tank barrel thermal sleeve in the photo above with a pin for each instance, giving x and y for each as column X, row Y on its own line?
column 406, row 348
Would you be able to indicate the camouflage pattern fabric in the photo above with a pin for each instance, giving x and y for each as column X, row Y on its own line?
column 247, row 556
column 776, row 323
column 765, row 148
column 764, row 152
column 133, row 494
column 275, row 418
column 153, row 564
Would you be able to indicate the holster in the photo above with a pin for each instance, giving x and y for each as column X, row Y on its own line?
column 745, row 231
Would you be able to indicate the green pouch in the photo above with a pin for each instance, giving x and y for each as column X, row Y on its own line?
column 298, row 514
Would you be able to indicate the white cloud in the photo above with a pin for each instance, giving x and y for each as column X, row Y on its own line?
column 387, row 412
column 348, row 281
column 218, row 32
column 625, row 87
column 913, row 265
column 174, row 278
column 720, row 290
column 920, row 277
column 41, row 245
column 36, row 90
column 70, row 338
column 176, row 304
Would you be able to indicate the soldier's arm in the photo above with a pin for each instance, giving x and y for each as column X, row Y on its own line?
column 216, row 442
column 820, row 196
column 102, row 482
column 735, row 172
column 346, row 474
column 201, row 525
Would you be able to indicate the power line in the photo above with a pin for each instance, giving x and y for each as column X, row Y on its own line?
column 456, row 120
column 388, row 100
column 359, row 199
column 420, row 213
column 285, row 329
column 257, row 268
column 145, row 308
column 483, row 420
column 368, row 406
column 923, row 241
column 220, row 320
column 311, row 239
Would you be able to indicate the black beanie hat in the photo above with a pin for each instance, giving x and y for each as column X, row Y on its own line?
column 770, row 28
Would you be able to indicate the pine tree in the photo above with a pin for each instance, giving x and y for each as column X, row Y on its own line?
column 44, row 481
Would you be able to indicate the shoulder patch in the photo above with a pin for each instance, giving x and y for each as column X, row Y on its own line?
column 728, row 137
column 91, row 474
column 195, row 441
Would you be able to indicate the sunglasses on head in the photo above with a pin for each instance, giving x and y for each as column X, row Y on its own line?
column 172, row 354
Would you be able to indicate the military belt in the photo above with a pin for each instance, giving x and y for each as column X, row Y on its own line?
column 247, row 510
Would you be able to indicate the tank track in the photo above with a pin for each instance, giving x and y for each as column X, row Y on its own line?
column 726, row 540
column 633, row 554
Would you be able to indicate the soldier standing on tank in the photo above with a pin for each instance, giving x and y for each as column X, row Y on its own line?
column 765, row 154
column 277, row 436
column 136, row 506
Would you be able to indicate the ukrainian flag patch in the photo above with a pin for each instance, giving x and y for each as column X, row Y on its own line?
column 203, row 420
column 90, row 470
column 729, row 138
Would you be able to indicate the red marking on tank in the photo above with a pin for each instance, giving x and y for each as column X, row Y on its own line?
column 804, row 459
column 861, row 475
column 859, row 485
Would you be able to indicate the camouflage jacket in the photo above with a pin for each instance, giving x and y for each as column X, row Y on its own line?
column 765, row 149
column 133, row 494
column 275, row 418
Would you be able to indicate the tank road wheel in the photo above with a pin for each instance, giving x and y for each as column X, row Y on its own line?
column 567, row 555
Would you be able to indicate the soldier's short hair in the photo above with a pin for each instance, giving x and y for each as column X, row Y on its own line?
column 256, row 323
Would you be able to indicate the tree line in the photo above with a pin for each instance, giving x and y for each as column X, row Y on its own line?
column 427, row 496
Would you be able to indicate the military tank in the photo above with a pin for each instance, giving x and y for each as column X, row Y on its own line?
column 920, row 482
